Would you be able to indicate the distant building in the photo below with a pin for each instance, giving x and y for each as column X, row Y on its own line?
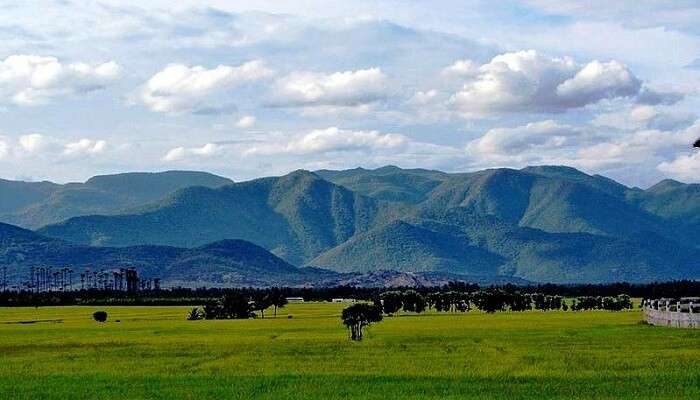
column 343, row 300
column 295, row 299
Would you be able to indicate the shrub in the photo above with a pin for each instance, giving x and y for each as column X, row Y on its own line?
column 194, row 314
column 99, row 316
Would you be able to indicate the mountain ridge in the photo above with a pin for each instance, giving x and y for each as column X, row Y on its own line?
column 541, row 223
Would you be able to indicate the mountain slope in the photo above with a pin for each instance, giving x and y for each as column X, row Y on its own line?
column 230, row 262
column 546, row 224
column 387, row 183
column 296, row 216
column 44, row 203
column 400, row 246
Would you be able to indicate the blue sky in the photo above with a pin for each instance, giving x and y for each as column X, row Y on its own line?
column 253, row 88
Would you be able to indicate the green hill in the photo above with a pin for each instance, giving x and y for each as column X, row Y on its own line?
column 224, row 263
column 296, row 216
column 546, row 224
column 387, row 183
column 400, row 246
column 33, row 205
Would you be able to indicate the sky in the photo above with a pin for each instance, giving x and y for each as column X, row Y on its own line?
column 246, row 89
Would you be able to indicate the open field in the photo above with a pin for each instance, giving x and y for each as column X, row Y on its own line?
column 154, row 353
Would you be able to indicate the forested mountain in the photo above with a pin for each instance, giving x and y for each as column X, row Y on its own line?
column 296, row 216
column 227, row 263
column 545, row 223
column 35, row 204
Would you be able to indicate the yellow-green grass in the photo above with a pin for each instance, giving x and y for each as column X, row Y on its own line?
column 154, row 353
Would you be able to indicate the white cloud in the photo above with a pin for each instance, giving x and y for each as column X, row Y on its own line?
column 685, row 166
column 179, row 88
column 28, row 80
column 644, row 117
column 182, row 153
column 36, row 145
column 527, row 81
column 4, row 148
column 246, row 122
column 536, row 136
column 33, row 142
column 331, row 139
column 84, row 147
column 597, row 81
column 462, row 68
column 348, row 88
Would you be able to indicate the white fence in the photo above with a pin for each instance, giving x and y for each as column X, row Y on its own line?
column 677, row 314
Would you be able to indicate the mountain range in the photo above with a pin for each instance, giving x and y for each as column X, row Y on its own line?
column 538, row 224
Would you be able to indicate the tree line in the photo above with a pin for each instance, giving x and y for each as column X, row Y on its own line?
column 196, row 297
column 491, row 300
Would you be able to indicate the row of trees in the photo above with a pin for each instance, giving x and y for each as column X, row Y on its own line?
column 610, row 303
column 187, row 296
column 492, row 300
column 237, row 305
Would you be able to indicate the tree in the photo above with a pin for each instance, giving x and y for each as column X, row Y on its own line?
column 413, row 301
column 392, row 302
column 491, row 300
column 279, row 300
column 235, row 306
column 261, row 302
column 212, row 310
column 99, row 316
column 194, row 314
column 358, row 316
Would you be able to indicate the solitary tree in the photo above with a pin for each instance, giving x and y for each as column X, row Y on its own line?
column 357, row 316
column 99, row 316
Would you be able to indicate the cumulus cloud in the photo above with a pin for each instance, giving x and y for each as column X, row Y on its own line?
column 33, row 143
column 36, row 145
column 181, row 153
column 348, row 88
column 527, row 81
column 246, row 122
column 685, row 166
column 331, row 139
column 179, row 87
column 28, row 80
column 538, row 136
column 462, row 68
column 84, row 147
column 645, row 117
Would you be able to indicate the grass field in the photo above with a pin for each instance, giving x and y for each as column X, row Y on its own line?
column 154, row 353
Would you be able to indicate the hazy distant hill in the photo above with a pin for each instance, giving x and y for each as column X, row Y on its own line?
column 544, row 223
column 226, row 263
column 33, row 205
column 230, row 262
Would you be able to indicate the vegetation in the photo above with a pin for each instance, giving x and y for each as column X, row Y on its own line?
column 154, row 353
column 36, row 204
column 358, row 316
column 455, row 296
column 99, row 316
column 538, row 224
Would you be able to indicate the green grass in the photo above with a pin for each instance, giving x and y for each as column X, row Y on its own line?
column 154, row 353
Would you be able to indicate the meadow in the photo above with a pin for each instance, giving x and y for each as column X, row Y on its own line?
column 154, row 353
